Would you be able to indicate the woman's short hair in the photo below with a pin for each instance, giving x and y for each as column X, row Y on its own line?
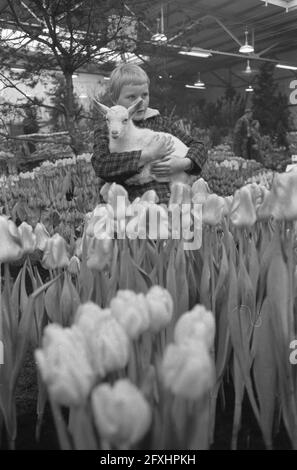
column 126, row 74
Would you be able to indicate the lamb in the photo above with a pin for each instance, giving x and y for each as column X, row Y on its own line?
column 124, row 136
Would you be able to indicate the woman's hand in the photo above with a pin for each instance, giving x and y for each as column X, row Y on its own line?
column 170, row 165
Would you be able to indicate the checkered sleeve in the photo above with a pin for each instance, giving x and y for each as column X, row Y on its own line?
column 197, row 152
column 111, row 167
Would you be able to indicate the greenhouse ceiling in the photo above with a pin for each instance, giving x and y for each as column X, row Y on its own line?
column 219, row 29
column 180, row 38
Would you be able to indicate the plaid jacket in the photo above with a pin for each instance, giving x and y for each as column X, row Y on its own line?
column 117, row 167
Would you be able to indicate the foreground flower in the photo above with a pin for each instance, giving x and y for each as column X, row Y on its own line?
column 188, row 370
column 201, row 191
column 10, row 242
column 28, row 237
column 243, row 212
column 213, row 210
column 284, row 196
column 160, row 305
column 196, row 325
column 64, row 365
column 55, row 254
column 106, row 340
column 122, row 415
column 42, row 236
column 74, row 265
column 180, row 193
column 99, row 253
column 150, row 196
column 131, row 311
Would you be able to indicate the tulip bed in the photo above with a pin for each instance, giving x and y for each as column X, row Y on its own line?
column 142, row 325
column 225, row 173
column 55, row 194
column 60, row 194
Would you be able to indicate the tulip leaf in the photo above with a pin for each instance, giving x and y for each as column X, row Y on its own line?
column 239, row 393
column 41, row 402
column 171, row 286
column 52, row 302
column 223, row 271
column 205, row 291
column 265, row 383
column 181, row 280
column 237, row 325
column 253, row 265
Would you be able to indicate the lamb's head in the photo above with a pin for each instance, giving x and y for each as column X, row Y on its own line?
column 118, row 117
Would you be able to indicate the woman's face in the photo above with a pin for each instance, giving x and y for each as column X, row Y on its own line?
column 130, row 93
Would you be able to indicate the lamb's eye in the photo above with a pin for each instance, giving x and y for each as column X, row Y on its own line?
column 125, row 121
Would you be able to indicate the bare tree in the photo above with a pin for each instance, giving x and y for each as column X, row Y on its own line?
column 63, row 35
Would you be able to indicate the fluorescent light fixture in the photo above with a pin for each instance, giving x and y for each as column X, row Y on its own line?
column 249, row 89
column 196, row 52
column 83, row 95
column 289, row 5
column 17, row 69
column 74, row 75
column 199, row 84
column 287, row 67
column 106, row 78
column 196, row 87
column 246, row 48
column 159, row 38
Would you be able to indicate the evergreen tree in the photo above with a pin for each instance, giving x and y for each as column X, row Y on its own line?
column 270, row 106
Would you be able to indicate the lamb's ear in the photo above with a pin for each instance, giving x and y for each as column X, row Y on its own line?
column 135, row 107
column 104, row 109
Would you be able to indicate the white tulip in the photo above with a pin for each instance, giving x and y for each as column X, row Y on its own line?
column 187, row 369
column 131, row 311
column 160, row 307
column 122, row 415
column 198, row 324
column 64, row 365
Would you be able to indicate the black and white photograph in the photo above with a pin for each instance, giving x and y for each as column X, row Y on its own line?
column 148, row 229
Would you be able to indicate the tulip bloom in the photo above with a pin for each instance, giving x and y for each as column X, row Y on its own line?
column 213, row 210
column 196, row 325
column 200, row 191
column 160, row 305
column 150, row 197
column 10, row 242
column 188, row 370
column 243, row 212
column 284, row 196
column 74, row 265
column 131, row 311
column 28, row 237
column 122, row 415
column 55, row 254
column 180, row 193
column 64, row 365
column 107, row 342
column 42, row 236
column 99, row 253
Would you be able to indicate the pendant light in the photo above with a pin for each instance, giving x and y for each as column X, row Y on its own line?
column 246, row 48
column 160, row 37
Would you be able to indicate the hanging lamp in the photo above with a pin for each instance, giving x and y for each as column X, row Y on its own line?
column 246, row 48
column 160, row 36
